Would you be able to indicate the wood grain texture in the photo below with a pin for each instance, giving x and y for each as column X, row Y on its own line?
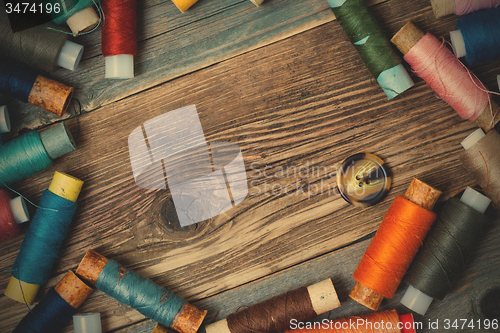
column 172, row 44
column 304, row 103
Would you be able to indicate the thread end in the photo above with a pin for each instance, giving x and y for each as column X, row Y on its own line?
column 366, row 296
column 21, row 292
column 407, row 37
column 73, row 290
column 416, row 300
column 66, row 186
column 422, row 194
column 189, row 320
column 4, row 120
column 91, row 266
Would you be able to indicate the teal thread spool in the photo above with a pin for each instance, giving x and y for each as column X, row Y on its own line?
column 372, row 45
column 33, row 152
column 78, row 14
column 44, row 237
column 140, row 293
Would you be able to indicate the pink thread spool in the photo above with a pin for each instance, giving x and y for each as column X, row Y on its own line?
column 460, row 7
column 12, row 213
column 447, row 76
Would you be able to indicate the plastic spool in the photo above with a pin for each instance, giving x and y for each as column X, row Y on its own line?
column 443, row 7
column 457, row 40
column 4, row 120
column 87, row 323
column 20, row 210
column 119, row 66
column 257, row 2
column 498, row 81
column 57, row 141
column 472, row 138
column 83, row 21
column 70, row 55
column 363, row 180
column 416, row 300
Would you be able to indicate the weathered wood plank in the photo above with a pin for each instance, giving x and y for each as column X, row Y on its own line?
column 340, row 265
column 172, row 44
column 304, row 101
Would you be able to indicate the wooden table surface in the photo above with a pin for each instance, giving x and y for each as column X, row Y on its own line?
column 283, row 83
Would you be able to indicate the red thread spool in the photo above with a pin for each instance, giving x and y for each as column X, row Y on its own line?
column 376, row 322
column 395, row 244
column 12, row 212
column 119, row 38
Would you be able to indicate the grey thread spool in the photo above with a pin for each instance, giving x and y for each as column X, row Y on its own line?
column 446, row 250
column 39, row 47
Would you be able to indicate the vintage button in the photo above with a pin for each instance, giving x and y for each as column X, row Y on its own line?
column 363, row 180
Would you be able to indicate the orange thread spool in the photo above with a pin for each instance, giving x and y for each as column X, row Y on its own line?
column 395, row 244
column 376, row 322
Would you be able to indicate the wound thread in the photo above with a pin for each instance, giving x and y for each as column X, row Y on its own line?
column 394, row 246
column 119, row 34
column 38, row 47
column 463, row 7
column 472, row 160
column 481, row 35
column 273, row 315
column 447, row 249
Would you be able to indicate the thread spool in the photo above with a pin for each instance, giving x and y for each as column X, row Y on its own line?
column 57, row 307
column 119, row 38
column 477, row 37
column 26, row 85
column 395, row 244
column 184, row 5
column 377, row 322
column 446, row 250
column 486, row 171
column 87, row 323
column 140, row 293
column 4, row 122
column 39, row 47
column 460, row 7
column 377, row 53
column 44, row 237
column 275, row 314
column 449, row 78
column 12, row 213
column 33, row 152
column 79, row 15
column 257, row 2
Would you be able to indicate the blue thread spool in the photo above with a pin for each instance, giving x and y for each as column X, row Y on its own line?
column 26, row 85
column 33, row 152
column 478, row 36
column 56, row 308
column 140, row 293
column 44, row 237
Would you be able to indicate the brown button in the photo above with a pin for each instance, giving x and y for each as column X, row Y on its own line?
column 363, row 180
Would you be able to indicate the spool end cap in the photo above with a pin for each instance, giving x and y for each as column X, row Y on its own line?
column 416, row 300
column 472, row 139
column 395, row 81
column 70, row 55
column 57, row 141
column 87, row 323
column 408, row 323
column 21, row 292
column 457, row 40
column 476, row 200
column 20, row 210
column 66, row 186
column 119, row 66
column 4, row 120
column 498, row 81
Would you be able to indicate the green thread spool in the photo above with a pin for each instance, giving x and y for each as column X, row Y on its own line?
column 372, row 45
column 33, row 152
